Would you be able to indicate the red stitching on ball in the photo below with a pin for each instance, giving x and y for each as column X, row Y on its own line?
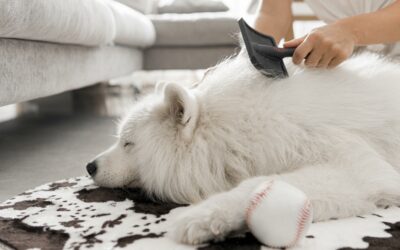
column 302, row 222
column 256, row 199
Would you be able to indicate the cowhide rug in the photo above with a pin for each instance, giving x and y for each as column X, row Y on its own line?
column 75, row 214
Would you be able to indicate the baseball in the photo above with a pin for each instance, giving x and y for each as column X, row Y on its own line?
column 278, row 214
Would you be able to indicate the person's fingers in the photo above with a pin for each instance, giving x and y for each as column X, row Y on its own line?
column 314, row 57
column 302, row 51
column 294, row 42
column 326, row 58
column 336, row 61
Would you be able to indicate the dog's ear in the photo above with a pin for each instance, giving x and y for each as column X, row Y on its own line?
column 183, row 108
column 159, row 87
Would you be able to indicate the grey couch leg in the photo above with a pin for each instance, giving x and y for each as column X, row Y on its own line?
column 91, row 100
column 87, row 100
column 101, row 99
column 105, row 99
column 56, row 104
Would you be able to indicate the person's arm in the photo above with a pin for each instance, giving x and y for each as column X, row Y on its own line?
column 330, row 45
column 274, row 18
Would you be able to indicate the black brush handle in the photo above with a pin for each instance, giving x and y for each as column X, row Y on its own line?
column 271, row 51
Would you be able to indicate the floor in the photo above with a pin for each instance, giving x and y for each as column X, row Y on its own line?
column 39, row 149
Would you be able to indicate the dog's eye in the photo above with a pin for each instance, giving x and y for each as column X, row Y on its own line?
column 128, row 144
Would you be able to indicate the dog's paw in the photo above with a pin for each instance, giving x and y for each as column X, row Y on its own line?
column 199, row 225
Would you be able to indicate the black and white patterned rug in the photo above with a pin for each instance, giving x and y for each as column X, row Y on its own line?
column 75, row 214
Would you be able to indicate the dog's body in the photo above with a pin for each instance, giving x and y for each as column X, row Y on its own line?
column 335, row 134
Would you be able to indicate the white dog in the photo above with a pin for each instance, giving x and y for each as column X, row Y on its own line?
column 335, row 134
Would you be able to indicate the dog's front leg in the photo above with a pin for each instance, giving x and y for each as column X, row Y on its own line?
column 215, row 217
column 334, row 191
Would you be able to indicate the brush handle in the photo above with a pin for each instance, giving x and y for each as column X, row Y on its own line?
column 271, row 51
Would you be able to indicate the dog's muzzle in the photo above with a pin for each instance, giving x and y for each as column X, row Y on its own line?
column 91, row 168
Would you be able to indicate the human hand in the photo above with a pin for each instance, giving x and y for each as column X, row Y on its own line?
column 324, row 47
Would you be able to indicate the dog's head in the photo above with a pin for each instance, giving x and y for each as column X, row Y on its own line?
column 153, row 144
column 179, row 144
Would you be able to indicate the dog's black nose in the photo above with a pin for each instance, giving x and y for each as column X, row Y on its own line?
column 91, row 168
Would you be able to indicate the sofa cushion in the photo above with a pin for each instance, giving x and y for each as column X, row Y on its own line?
column 190, row 6
column 84, row 22
column 64, row 21
column 132, row 28
column 144, row 6
column 166, row 58
column 197, row 29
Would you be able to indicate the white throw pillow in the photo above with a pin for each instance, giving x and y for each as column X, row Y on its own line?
column 190, row 6
column 144, row 6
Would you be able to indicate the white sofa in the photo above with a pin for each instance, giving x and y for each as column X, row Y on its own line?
column 191, row 40
column 48, row 47
column 53, row 46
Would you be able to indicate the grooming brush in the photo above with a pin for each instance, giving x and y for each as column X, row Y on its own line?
column 263, row 52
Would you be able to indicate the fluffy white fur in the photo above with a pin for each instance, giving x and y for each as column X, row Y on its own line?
column 335, row 134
